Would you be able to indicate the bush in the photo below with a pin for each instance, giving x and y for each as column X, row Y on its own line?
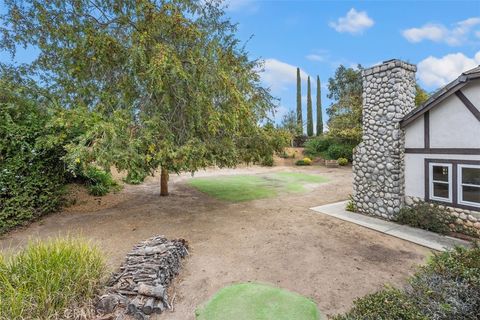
column 304, row 162
column 316, row 146
column 446, row 288
column 299, row 141
column 47, row 278
column 32, row 176
column 426, row 216
column 386, row 304
column 135, row 177
column 336, row 151
column 342, row 161
column 267, row 161
column 99, row 182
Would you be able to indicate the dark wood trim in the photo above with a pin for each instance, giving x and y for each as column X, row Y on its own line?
column 470, row 106
column 426, row 130
column 463, row 151
column 454, row 163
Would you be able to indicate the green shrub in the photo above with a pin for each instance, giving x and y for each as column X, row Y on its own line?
column 448, row 286
column 318, row 145
column 267, row 161
column 426, row 216
column 336, row 151
column 135, row 177
column 351, row 205
column 32, row 175
column 304, row 162
column 445, row 288
column 98, row 181
column 342, row 161
column 387, row 304
column 45, row 279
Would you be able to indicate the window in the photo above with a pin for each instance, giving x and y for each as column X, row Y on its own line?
column 440, row 181
column 469, row 185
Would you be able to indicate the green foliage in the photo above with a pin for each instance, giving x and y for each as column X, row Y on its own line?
column 345, row 113
column 446, row 288
column 386, row 304
column 304, row 162
column 318, row 145
column 299, row 104
column 143, row 84
column 426, row 216
column 309, row 109
column 45, row 280
column 135, row 177
column 351, row 205
column 420, row 95
column 31, row 173
column 342, row 161
column 289, row 122
column 98, row 181
column 336, row 151
column 319, row 108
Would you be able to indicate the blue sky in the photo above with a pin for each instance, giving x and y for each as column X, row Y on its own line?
column 441, row 37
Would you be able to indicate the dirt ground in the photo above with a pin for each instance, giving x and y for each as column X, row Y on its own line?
column 277, row 241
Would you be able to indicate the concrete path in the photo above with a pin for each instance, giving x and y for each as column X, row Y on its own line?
column 422, row 237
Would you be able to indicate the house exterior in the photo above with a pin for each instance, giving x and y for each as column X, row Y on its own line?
column 430, row 153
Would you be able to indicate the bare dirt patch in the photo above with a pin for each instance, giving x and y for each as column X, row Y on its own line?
column 277, row 240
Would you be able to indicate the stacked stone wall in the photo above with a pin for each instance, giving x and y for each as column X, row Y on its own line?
column 378, row 164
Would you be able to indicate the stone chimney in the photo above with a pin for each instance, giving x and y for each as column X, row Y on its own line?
column 378, row 162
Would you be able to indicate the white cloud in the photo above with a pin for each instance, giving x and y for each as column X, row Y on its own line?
column 477, row 34
column 354, row 22
column 279, row 75
column 434, row 71
column 456, row 35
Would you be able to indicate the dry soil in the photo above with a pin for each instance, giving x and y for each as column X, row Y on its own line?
column 277, row 241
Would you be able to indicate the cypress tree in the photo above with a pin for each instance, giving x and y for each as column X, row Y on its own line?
column 299, row 103
column 319, row 109
column 309, row 110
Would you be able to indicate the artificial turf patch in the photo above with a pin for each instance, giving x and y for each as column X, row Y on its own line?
column 238, row 188
column 253, row 301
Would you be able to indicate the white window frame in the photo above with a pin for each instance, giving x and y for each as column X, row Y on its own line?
column 450, row 186
column 460, row 184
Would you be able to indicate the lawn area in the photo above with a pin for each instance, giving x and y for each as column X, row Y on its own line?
column 250, row 187
column 252, row 301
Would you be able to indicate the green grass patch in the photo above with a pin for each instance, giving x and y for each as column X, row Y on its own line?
column 253, row 301
column 48, row 279
column 250, row 187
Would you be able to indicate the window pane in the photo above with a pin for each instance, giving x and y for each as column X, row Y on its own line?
column 440, row 190
column 471, row 175
column 471, row 194
column 440, row 173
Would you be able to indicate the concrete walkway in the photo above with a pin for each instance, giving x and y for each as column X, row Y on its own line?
column 422, row 237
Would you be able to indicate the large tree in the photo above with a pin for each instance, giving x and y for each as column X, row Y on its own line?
column 148, row 83
column 319, row 109
column 309, row 109
column 299, row 103
column 345, row 113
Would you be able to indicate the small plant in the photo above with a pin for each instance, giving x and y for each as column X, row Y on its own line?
column 134, row 177
column 45, row 279
column 267, row 161
column 99, row 182
column 304, row 162
column 336, row 151
column 342, row 161
column 318, row 145
column 351, row 205
column 426, row 216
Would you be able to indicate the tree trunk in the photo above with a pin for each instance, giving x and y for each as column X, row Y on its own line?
column 164, row 182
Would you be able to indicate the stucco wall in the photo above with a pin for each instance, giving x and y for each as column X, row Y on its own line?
column 452, row 125
column 414, row 134
column 415, row 170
